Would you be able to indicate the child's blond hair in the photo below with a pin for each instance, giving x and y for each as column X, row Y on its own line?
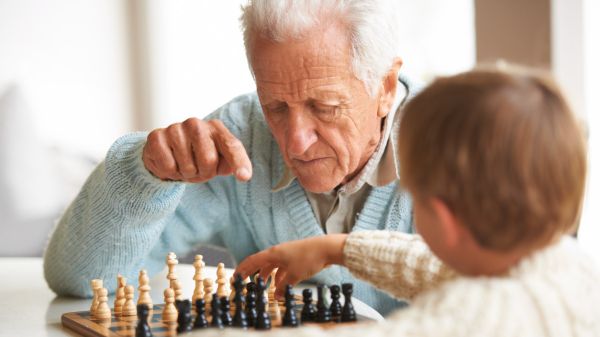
column 502, row 149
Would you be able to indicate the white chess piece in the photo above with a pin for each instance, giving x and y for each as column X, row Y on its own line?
column 96, row 285
column 199, row 288
column 272, row 288
column 169, row 313
column 222, row 283
column 144, row 289
column 103, row 310
column 120, row 294
column 208, row 290
column 129, row 308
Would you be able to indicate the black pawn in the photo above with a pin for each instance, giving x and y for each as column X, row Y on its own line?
column 263, row 321
column 348, row 313
column 216, row 313
column 200, row 321
column 289, row 319
column 309, row 312
column 336, row 306
column 184, row 315
column 225, row 314
column 323, row 312
column 143, row 328
column 239, row 317
column 251, row 303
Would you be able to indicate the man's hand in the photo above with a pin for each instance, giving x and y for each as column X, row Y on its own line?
column 297, row 260
column 195, row 151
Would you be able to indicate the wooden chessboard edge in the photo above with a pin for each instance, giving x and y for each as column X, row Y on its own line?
column 85, row 327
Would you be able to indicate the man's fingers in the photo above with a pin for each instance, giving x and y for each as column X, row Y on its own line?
column 204, row 152
column 157, row 156
column 182, row 151
column 233, row 151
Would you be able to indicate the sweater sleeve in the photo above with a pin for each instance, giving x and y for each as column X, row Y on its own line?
column 125, row 219
column 395, row 262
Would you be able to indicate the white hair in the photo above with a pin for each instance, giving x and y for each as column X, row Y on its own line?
column 372, row 27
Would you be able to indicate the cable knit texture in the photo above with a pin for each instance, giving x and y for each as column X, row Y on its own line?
column 125, row 219
column 554, row 292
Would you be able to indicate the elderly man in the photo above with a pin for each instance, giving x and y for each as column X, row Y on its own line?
column 308, row 154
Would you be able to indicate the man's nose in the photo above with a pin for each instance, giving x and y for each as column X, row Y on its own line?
column 301, row 133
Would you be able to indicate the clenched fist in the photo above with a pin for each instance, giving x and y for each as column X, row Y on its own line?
column 195, row 151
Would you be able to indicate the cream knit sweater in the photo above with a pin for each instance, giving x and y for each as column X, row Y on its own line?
column 553, row 292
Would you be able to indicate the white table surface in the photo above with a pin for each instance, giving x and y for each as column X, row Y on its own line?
column 29, row 308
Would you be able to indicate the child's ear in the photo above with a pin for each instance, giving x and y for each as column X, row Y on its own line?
column 388, row 89
column 448, row 223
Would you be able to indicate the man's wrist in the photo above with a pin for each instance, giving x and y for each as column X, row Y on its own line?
column 335, row 252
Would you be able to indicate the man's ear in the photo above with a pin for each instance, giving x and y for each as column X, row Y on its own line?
column 388, row 89
column 448, row 223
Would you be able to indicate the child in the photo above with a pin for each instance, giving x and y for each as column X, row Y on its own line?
column 496, row 165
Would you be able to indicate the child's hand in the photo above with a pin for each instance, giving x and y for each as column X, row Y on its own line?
column 296, row 260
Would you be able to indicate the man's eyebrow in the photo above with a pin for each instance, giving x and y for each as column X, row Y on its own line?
column 329, row 95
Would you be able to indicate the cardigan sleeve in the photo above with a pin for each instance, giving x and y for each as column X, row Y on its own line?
column 398, row 263
column 125, row 219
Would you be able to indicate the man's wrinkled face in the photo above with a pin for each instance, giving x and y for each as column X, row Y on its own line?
column 324, row 120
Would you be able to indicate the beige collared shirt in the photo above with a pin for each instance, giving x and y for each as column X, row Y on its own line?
column 337, row 210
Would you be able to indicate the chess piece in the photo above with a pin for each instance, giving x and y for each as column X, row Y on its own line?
column 222, row 283
column 143, row 328
column 120, row 295
column 129, row 308
column 184, row 315
column 144, row 289
column 348, row 313
column 251, row 303
column 263, row 321
column 176, row 286
column 272, row 287
column 336, row 306
column 225, row 314
column 200, row 321
column 171, row 263
column 239, row 317
column 96, row 284
column 290, row 319
column 199, row 288
column 216, row 313
column 103, row 310
column 208, row 291
column 323, row 312
column 309, row 312
column 169, row 313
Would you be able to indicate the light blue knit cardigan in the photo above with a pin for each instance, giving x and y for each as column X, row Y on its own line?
column 125, row 219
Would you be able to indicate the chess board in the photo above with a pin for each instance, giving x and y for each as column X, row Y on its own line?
column 81, row 323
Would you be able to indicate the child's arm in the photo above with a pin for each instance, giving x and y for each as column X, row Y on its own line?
column 398, row 263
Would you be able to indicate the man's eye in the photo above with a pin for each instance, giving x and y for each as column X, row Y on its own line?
column 325, row 111
column 278, row 108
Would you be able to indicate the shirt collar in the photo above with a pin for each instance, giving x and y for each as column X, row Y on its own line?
column 381, row 169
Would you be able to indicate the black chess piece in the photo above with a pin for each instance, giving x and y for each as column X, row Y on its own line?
column 348, row 313
column 216, row 313
column 323, row 312
column 239, row 317
column 290, row 319
column 336, row 306
column 251, row 303
column 143, row 328
column 263, row 321
column 184, row 315
column 225, row 311
column 200, row 321
column 309, row 312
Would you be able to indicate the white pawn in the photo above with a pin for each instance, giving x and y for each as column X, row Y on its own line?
column 176, row 286
column 199, row 288
column 96, row 285
column 208, row 290
column 144, row 289
column 272, row 288
column 222, row 283
column 129, row 308
column 103, row 310
column 120, row 294
column 169, row 313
